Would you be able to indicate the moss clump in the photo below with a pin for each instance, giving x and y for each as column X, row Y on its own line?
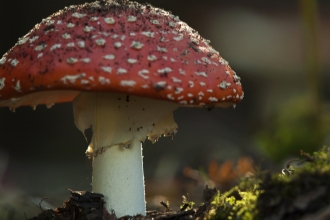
column 228, row 206
column 304, row 192
column 292, row 195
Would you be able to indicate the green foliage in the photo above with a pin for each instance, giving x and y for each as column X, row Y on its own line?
column 296, row 125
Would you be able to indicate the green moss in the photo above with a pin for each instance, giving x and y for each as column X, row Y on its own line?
column 234, row 204
column 187, row 204
column 291, row 195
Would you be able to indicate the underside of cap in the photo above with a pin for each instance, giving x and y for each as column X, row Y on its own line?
column 116, row 46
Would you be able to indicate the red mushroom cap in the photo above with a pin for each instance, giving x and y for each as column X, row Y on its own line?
column 117, row 46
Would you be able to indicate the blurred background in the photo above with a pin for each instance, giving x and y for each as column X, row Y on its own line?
column 280, row 49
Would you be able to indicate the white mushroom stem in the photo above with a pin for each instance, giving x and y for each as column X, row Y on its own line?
column 120, row 123
column 118, row 175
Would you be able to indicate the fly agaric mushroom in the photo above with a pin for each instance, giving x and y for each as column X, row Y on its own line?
column 126, row 66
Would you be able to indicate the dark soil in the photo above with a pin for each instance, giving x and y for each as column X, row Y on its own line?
column 84, row 205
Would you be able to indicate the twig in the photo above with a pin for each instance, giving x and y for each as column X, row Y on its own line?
column 176, row 216
column 166, row 205
column 41, row 202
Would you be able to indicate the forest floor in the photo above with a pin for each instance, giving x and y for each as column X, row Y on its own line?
column 298, row 193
